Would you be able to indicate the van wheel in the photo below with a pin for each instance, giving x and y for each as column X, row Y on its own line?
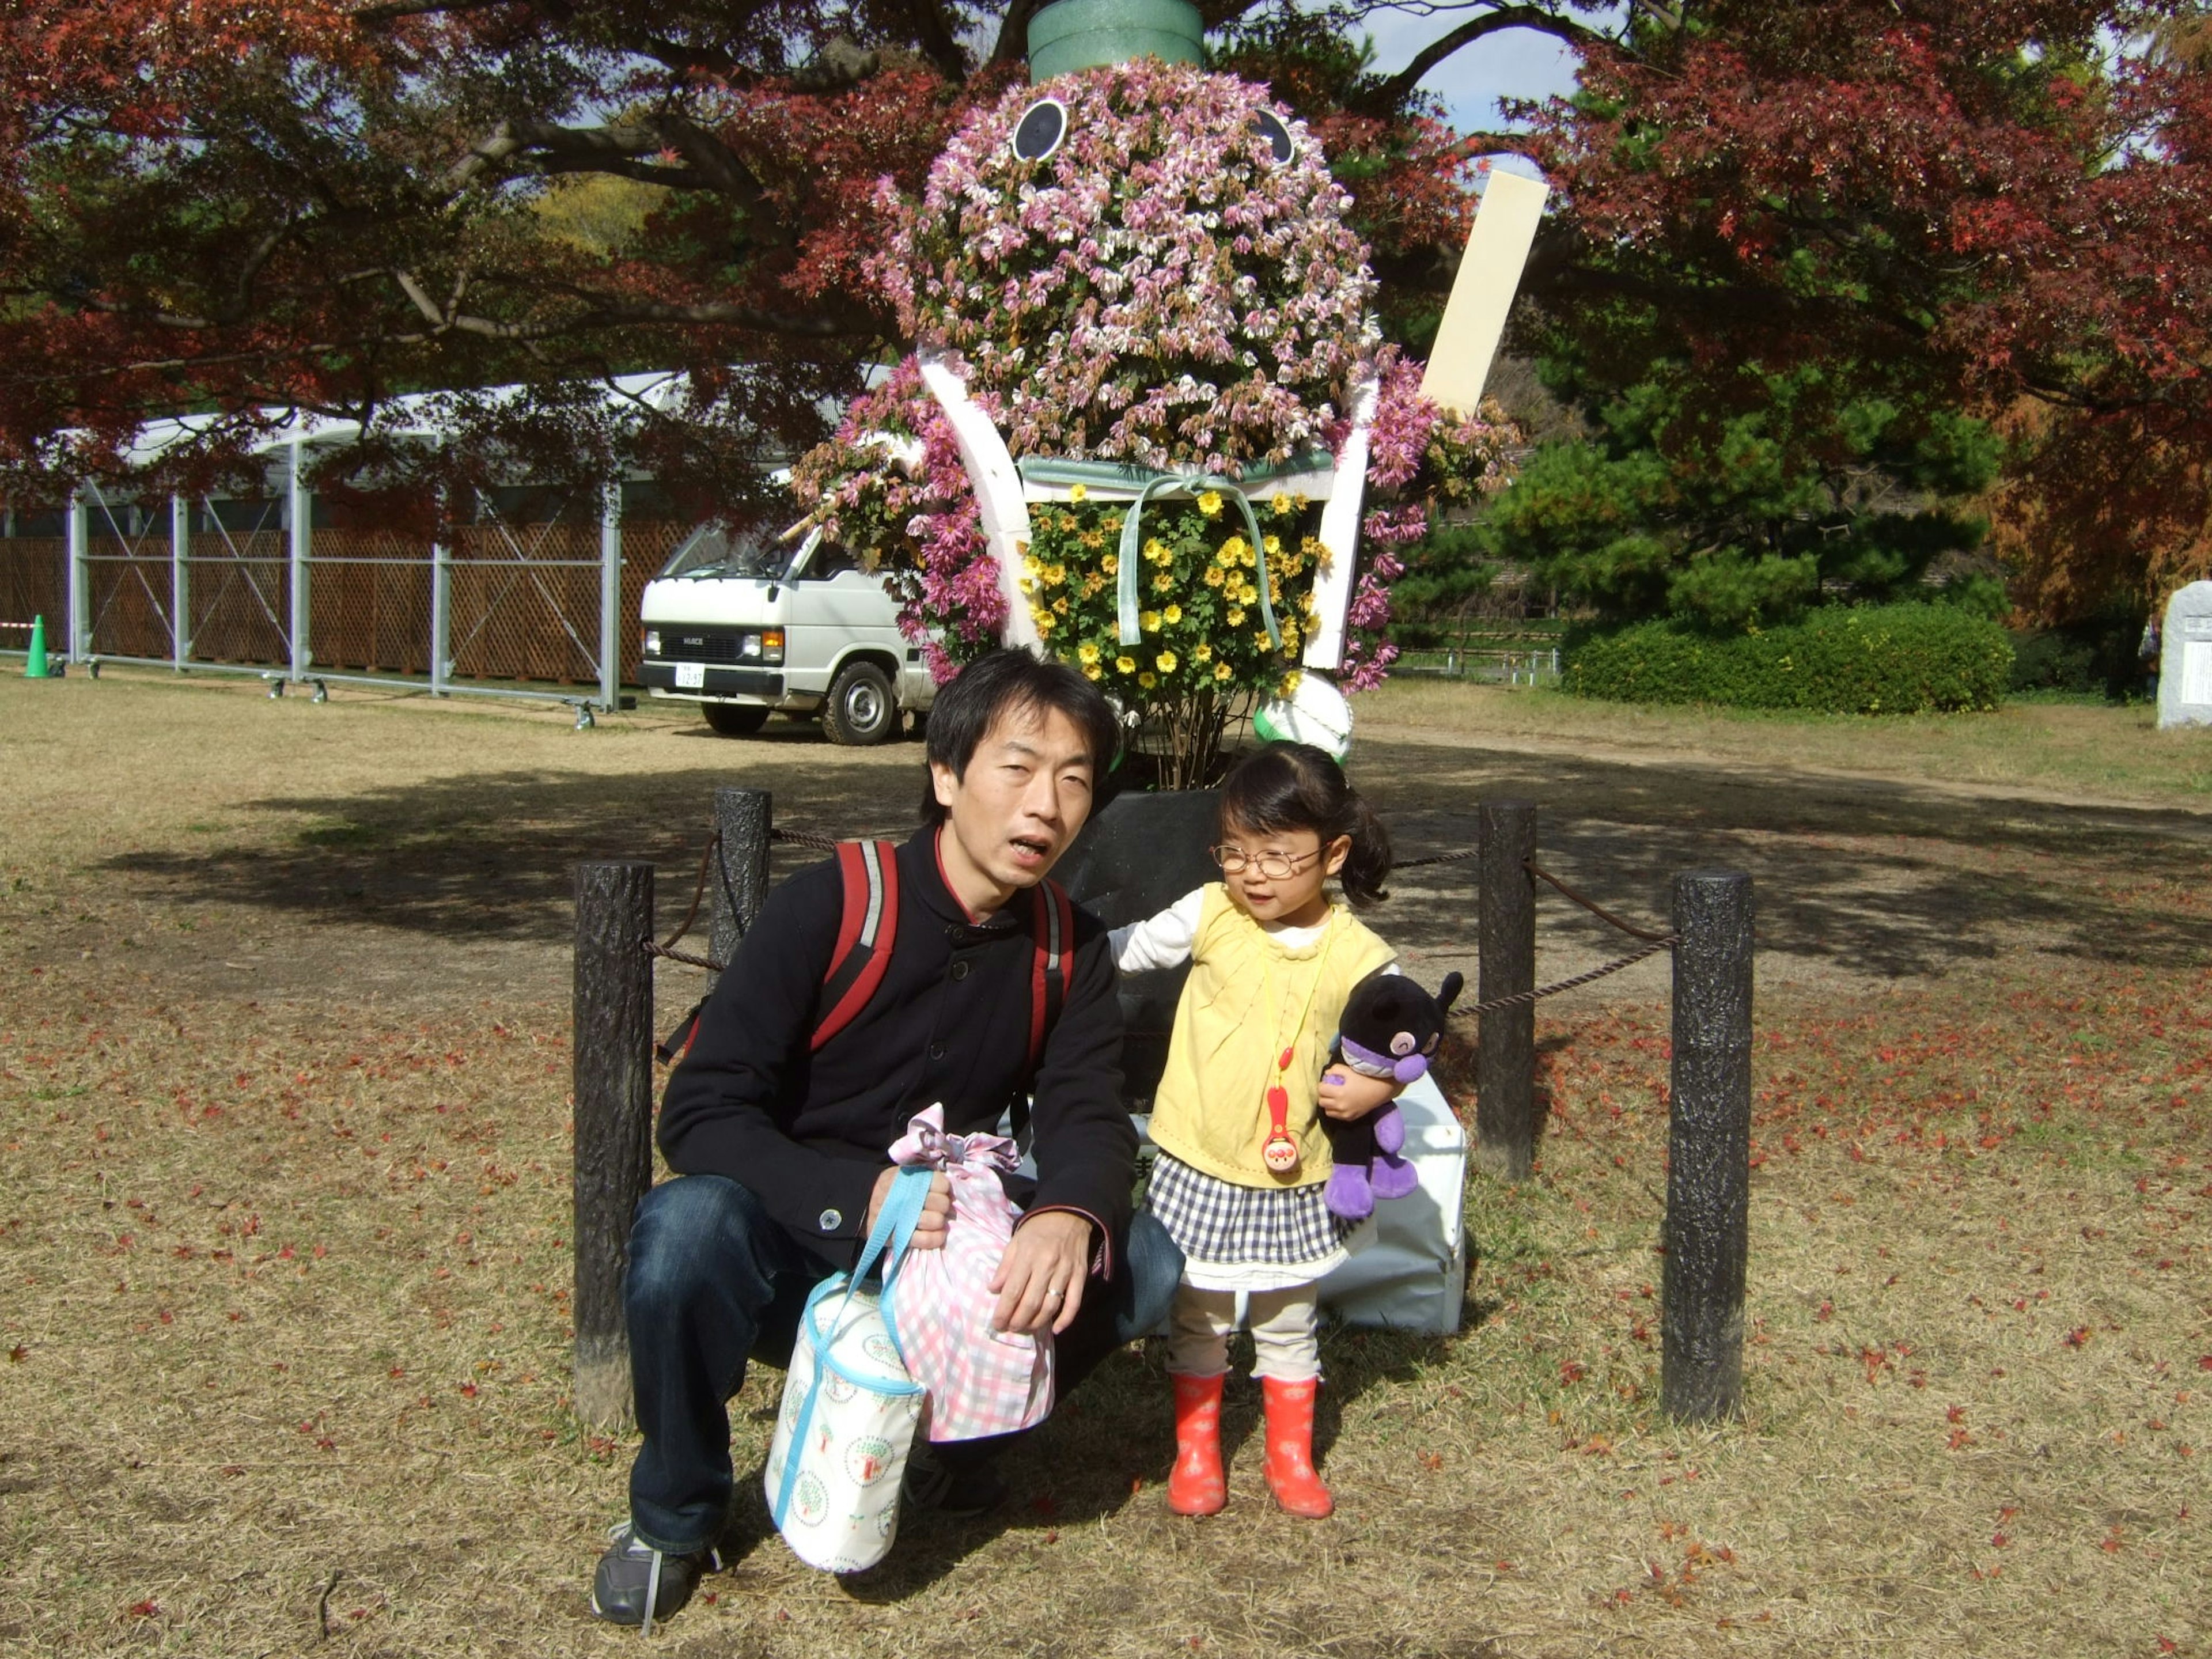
column 861, row 709
column 734, row 719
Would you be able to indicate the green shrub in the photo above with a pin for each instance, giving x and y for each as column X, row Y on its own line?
column 1884, row 660
column 2092, row 656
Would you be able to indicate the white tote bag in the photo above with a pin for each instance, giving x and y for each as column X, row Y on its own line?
column 850, row 1408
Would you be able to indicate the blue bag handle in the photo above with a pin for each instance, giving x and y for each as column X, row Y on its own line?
column 895, row 1225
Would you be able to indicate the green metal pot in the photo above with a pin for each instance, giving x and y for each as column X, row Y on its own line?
column 1078, row 34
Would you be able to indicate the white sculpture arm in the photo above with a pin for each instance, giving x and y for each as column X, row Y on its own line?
column 1340, row 530
column 998, row 488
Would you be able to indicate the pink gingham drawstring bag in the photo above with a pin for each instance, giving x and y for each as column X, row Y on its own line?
column 980, row 1381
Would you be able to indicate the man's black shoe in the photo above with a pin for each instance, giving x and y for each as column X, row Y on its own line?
column 638, row 1584
column 956, row 1487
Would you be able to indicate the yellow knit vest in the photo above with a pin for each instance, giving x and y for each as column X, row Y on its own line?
column 1211, row 1111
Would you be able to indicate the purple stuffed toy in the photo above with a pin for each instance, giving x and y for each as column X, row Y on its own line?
column 1390, row 1029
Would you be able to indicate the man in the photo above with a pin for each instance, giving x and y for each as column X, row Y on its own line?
column 780, row 1148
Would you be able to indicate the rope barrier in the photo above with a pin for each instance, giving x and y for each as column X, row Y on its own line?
column 1556, row 985
column 1596, row 908
column 1654, row 942
column 1435, row 858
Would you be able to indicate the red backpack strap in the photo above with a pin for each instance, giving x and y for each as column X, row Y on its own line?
column 866, row 928
column 1052, row 929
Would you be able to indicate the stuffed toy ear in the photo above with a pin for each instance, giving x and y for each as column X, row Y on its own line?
column 1448, row 992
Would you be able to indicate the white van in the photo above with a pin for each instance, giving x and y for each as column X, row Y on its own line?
column 741, row 625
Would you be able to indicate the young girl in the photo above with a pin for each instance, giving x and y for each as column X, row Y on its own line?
column 1242, row 1160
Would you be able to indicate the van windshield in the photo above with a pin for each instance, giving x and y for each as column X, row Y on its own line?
column 716, row 550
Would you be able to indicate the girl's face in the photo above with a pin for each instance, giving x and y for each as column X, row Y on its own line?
column 1278, row 875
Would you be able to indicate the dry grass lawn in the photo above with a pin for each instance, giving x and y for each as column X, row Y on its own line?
column 283, row 1200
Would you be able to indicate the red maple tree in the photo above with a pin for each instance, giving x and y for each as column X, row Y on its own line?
column 2004, row 198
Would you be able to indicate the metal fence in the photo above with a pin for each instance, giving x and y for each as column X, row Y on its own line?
column 1525, row 666
column 521, row 609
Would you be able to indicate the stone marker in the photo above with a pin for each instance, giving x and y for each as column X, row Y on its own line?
column 2184, row 674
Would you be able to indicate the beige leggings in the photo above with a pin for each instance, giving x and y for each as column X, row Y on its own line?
column 1282, row 1325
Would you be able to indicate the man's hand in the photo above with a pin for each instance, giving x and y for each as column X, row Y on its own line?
column 1040, row 1278
column 1348, row 1096
column 936, row 1210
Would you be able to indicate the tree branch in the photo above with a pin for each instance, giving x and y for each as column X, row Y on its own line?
column 932, row 32
column 547, row 147
column 1399, row 86
column 1013, row 42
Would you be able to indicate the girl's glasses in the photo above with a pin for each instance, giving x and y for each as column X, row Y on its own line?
column 1275, row 867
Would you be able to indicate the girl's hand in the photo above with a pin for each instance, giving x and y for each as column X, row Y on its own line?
column 1347, row 1097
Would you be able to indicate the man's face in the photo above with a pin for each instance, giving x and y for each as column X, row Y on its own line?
column 1025, row 794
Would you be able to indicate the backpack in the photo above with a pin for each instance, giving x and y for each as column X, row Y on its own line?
column 867, row 929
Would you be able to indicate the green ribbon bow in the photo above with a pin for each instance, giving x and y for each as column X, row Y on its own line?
column 1149, row 481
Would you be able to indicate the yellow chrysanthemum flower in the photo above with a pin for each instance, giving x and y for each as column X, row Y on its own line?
column 1092, row 671
column 1060, row 605
column 1212, row 577
column 1250, row 594
column 1232, row 550
column 1110, row 564
column 1209, row 503
column 1076, row 492
column 1275, row 546
column 1172, row 615
column 1221, row 670
column 1087, row 651
column 1056, row 576
column 1158, row 552
column 1146, row 681
column 1165, row 582
column 1125, row 664
column 1235, row 616
column 1166, row 662
column 1291, row 683
column 1149, row 621
column 1067, row 523
column 1201, row 652
column 1280, row 503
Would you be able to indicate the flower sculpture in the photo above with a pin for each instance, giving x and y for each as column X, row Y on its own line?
column 1150, row 417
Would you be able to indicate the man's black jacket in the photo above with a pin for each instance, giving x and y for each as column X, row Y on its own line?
column 807, row 1132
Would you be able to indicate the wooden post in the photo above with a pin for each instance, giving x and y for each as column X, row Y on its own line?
column 1505, row 1057
column 1707, row 1149
column 613, row 1077
column 740, row 876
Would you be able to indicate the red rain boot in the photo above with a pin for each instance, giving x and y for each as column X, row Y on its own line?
column 1289, row 1464
column 1195, row 1486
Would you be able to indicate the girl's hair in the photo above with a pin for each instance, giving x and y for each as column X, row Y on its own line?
column 1295, row 785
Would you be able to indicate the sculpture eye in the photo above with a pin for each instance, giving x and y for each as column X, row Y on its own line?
column 1402, row 1043
column 1269, row 126
column 1430, row 1047
column 1039, row 131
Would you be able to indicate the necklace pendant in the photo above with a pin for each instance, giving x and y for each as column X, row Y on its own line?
column 1279, row 1152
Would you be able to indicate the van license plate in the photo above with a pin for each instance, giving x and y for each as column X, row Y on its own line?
column 690, row 675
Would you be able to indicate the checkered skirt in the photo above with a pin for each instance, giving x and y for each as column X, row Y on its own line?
column 1217, row 1221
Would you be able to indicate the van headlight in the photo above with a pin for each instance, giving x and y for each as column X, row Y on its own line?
column 652, row 641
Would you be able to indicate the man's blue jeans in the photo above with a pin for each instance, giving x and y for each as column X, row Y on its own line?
column 712, row 1280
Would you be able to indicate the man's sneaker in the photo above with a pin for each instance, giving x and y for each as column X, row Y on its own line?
column 956, row 1487
column 638, row 1584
